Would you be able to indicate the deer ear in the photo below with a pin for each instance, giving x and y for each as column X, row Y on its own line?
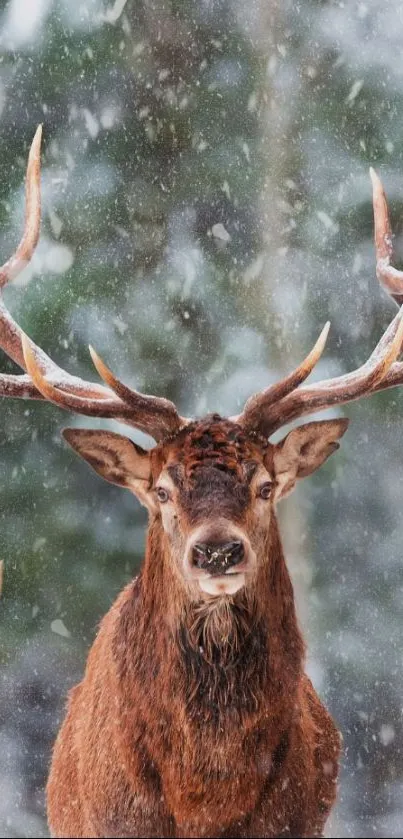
column 303, row 451
column 114, row 457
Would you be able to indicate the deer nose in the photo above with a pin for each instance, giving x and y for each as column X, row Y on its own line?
column 217, row 558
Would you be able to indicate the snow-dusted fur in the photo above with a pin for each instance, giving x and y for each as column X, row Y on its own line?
column 195, row 717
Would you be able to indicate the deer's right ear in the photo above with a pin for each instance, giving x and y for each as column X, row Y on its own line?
column 115, row 458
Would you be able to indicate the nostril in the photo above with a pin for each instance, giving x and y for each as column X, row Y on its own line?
column 234, row 551
column 201, row 555
column 217, row 558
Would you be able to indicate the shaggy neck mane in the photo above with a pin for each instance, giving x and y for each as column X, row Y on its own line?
column 225, row 655
column 223, row 648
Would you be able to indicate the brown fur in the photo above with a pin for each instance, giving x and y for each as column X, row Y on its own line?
column 195, row 717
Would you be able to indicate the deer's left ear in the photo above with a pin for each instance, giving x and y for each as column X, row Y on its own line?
column 303, row 451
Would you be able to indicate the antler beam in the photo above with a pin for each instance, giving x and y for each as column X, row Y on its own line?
column 45, row 380
column 265, row 414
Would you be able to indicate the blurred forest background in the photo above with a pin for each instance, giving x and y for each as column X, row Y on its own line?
column 206, row 208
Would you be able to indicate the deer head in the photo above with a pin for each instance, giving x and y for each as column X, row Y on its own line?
column 211, row 484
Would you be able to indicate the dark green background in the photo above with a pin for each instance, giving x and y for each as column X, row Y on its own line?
column 177, row 117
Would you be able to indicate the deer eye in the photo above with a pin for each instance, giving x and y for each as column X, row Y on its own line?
column 265, row 490
column 162, row 494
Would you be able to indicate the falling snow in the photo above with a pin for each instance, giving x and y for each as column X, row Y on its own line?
column 206, row 207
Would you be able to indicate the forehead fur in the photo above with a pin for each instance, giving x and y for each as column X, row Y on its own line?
column 211, row 442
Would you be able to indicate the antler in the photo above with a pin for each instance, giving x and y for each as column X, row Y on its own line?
column 264, row 412
column 45, row 380
column 285, row 401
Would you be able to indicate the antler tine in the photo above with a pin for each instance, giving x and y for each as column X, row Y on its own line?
column 10, row 333
column 379, row 372
column 260, row 402
column 30, row 237
column 139, row 413
column 390, row 278
column 159, row 411
column 98, row 407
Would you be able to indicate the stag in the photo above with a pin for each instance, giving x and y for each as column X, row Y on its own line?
column 195, row 716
